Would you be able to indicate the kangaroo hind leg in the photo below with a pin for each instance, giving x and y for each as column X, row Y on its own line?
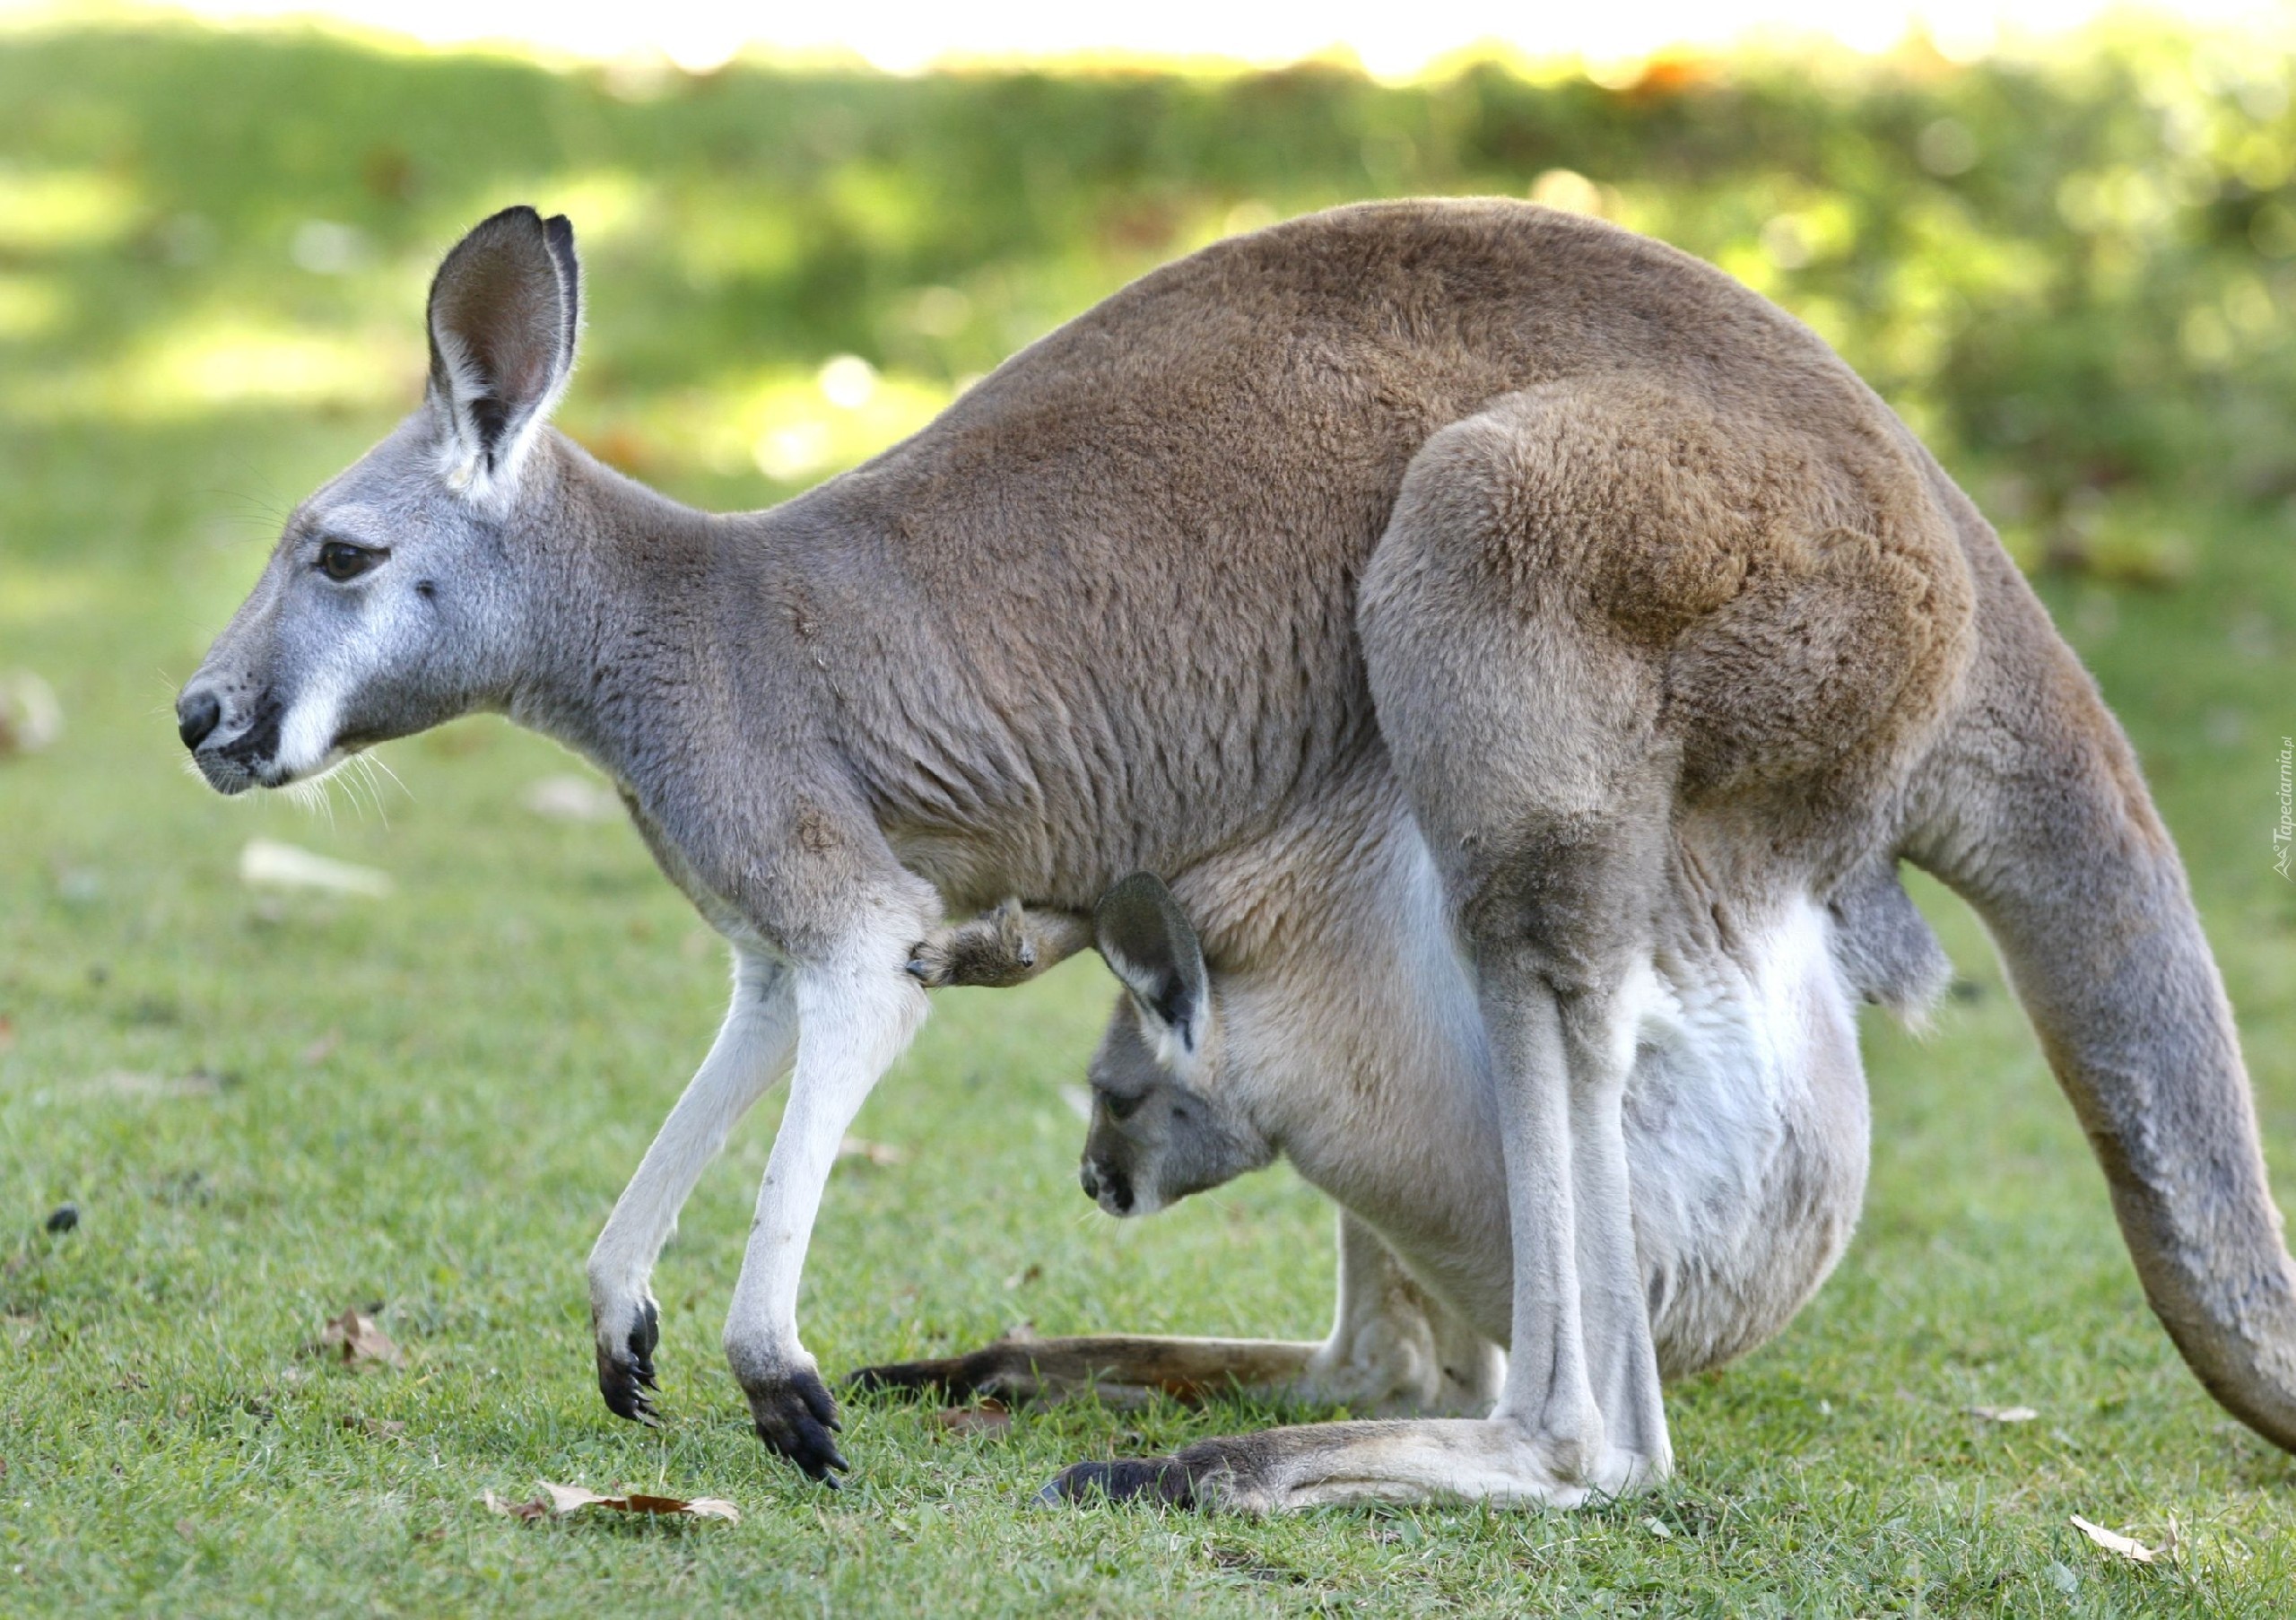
column 1527, row 728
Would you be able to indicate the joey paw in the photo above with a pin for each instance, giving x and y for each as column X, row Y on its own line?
column 796, row 1417
column 994, row 951
column 626, row 1368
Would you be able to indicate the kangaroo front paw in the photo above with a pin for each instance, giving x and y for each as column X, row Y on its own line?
column 994, row 950
column 626, row 1339
column 796, row 1417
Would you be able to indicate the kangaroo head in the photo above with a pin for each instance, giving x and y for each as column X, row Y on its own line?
column 1165, row 1123
column 400, row 595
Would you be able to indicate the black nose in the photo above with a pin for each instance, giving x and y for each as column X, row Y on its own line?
column 196, row 713
column 1098, row 1176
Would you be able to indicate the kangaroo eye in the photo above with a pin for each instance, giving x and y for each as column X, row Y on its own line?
column 1122, row 1108
column 339, row 560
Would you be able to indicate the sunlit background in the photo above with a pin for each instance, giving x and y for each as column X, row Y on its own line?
column 1387, row 41
column 2058, row 239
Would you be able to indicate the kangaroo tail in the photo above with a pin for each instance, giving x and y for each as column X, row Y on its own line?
column 2032, row 807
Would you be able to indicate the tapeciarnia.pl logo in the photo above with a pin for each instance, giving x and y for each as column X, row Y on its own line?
column 2283, row 836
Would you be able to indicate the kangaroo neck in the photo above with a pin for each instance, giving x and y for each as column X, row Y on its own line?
column 626, row 599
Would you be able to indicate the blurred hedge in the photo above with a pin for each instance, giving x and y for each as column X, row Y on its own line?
column 2071, row 274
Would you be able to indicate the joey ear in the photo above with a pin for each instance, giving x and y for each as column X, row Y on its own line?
column 1150, row 945
column 504, row 310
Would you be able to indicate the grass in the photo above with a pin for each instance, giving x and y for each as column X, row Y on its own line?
column 268, row 1108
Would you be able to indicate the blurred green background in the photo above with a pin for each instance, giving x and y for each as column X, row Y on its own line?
column 2072, row 272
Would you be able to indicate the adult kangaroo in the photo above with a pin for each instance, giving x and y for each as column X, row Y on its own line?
column 1508, row 615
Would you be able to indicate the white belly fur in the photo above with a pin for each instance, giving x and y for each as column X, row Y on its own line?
column 1746, row 1118
column 1746, row 1137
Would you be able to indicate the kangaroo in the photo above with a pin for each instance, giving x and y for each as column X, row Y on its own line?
column 1521, row 656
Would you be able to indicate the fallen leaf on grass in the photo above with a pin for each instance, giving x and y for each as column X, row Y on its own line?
column 131, row 1082
column 30, row 719
column 264, row 864
column 357, row 1342
column 557, row 1501
column 387, row 1428
column 7, row 1035
column 2126, row 1546
column 986, row 1417
column 2003, row 1415
column 571, row 798
column 883, row 1155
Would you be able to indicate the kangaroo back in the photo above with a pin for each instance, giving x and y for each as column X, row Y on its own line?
column 2035, row 812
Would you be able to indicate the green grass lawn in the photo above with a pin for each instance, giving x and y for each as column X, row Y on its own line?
column 268, row 1107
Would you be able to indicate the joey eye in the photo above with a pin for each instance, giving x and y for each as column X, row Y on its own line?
column 339, row 560
column 1122, row 1108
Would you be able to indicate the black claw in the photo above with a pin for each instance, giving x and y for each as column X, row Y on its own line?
column 919, row 971
column 623, row 1379
column 624, row 1398
column 1163, row 1479
column 796, row 1417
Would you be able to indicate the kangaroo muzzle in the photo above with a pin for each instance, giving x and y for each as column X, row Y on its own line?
column 1106, row 1186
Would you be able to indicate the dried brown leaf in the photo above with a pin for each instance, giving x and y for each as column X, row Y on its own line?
column 2113, row 1541
column 560, row 1499
column 883, row 1155
column 266, row 863
column 354, row 1338
column 131, row 1082
column 2003, row 1415
column 986, row 1418
column 30, row 719
column 539, row 1507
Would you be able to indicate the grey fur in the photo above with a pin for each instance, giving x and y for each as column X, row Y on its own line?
column 1509, row 608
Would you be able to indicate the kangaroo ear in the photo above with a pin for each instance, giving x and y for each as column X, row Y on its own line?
column 1149, row 944
column 503, row 312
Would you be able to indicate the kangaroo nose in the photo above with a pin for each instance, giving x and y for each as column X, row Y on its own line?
column 197, row 714
column 1097, row 1177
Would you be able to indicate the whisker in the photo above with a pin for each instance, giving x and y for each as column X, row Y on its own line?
column 360, row 786
column 379, row 763
column 366, row 762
